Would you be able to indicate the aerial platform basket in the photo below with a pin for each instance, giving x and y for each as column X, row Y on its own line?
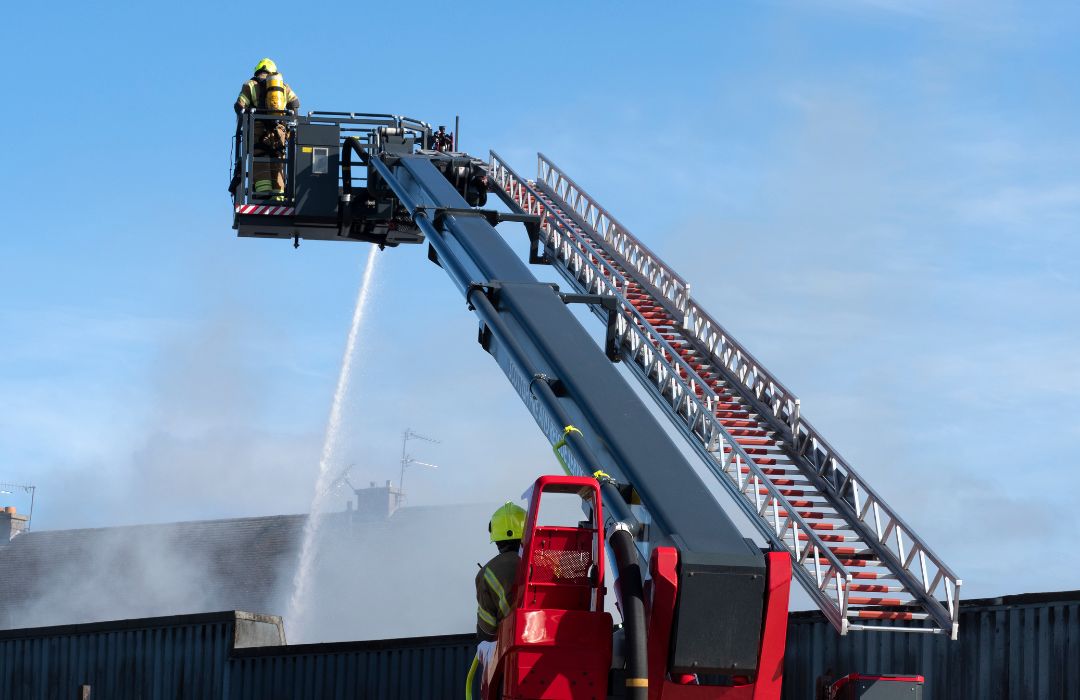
column 328, row 193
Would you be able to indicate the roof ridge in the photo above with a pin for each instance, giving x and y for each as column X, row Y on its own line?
column 253, row 518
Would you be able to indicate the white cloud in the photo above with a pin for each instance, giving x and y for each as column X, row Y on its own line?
column 1056, row 205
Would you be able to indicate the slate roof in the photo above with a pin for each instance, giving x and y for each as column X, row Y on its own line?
column 410, row 574
column 86, row 575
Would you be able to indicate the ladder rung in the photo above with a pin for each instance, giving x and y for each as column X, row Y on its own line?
column 849, row 551
column 853, row 562
column 886, row 615
column 793, row 493
column 860, row 600
column 830, row 538
column 805, row 514
column 873, row 588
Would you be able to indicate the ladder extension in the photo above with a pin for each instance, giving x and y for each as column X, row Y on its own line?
column 859, row 561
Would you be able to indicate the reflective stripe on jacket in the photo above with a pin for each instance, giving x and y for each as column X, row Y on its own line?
column 494, row 592
column 251, row 96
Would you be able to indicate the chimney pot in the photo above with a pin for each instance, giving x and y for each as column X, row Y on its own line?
column 9, row 509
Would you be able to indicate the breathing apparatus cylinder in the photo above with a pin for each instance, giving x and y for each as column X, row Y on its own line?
column 275, row 93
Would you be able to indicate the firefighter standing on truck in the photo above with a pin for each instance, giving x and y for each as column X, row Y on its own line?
column 495, row 581
column 267, row 93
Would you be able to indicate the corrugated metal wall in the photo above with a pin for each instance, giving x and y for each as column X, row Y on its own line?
column 182, row 657
column 431, row 668
column 1018, row 647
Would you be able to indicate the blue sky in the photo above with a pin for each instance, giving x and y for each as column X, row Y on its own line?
column 879, row 197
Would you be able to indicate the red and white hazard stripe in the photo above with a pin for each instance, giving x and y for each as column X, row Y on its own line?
column 264, row 209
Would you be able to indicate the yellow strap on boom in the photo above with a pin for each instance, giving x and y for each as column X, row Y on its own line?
column 561, row 444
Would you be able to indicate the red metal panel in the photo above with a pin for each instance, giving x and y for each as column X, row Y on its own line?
column 556, row 644
column 767, row 684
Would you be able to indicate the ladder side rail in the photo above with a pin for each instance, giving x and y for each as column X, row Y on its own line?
column 775, row 401
column 559, row 230
column 623, row 244
column 768, row 391
column 656, row 285
column 871, row 510
column 581, row 255
column 711, row 338
column 838, row 479
column 697, row 423
column 656, row 375
column 650, row 351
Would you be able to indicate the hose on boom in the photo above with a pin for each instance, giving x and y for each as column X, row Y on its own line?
column 631, row 600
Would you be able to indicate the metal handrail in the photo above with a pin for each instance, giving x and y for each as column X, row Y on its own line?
column 867, row 504
column 696, row 320
column 912, row 557
column 359, row 125
column 775, row 399
column 637, row 256
column 650, row 352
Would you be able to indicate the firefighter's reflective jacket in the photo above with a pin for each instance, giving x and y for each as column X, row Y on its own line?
column 494, row 592
column 253, row 93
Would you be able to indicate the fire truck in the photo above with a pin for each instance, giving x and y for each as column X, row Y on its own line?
column 703, row 609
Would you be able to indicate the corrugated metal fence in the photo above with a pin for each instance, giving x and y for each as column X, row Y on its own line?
column 156, row 658
column 432, row 668
column 1020, row 647
column 1017, row 647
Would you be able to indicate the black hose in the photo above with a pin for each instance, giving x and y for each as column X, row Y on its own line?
column 350, row 146
column 632, row 602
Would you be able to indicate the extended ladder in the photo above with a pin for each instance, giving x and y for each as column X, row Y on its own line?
column 859, row 561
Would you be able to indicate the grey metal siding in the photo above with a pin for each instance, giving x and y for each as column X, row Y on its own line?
column 406, row 669
column 1022, row 647
column 181, row 657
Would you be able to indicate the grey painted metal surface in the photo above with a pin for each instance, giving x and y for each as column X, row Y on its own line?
column 430, row 668
column 1023, row 647
column 165, row 657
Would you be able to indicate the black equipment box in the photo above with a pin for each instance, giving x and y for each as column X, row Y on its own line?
column 318, row 152
column 717, row 626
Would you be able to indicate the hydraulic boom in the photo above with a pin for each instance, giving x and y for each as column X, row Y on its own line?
column 705, row 610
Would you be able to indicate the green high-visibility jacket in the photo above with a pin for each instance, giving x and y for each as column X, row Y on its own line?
column 495, row 593
column 251, row 95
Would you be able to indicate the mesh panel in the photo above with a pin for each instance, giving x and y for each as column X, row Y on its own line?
column 561, row 566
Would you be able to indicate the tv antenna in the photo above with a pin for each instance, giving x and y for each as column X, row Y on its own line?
column 407, row 459
column 342, row 479
column 9, row 489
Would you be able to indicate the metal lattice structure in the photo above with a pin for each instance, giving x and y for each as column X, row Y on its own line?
column 861, row 563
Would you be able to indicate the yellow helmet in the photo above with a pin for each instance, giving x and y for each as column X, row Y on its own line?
column 266, row 65
column 507, row 523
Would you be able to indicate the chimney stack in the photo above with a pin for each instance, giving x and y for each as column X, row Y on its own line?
column 377, row 503
column 11, row 524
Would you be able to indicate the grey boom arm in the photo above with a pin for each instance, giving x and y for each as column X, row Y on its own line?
column 564, row 377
